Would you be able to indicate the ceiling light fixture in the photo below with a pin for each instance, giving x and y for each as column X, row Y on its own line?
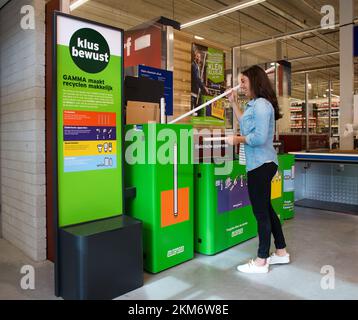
column 199, row 38
column 239, row 6
column 77, row 4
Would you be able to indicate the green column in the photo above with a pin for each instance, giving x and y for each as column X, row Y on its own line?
column 287, row 165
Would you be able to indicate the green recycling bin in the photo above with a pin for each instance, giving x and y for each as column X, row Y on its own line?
column 287, row 166
column 159, row 165
column 223, row 213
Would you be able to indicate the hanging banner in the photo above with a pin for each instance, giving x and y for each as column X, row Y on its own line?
column 207, row 80
column 89, row 120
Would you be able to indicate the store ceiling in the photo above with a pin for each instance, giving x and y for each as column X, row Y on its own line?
column 269, row 19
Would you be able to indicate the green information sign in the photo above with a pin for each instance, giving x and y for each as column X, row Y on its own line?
column 89, row 120
column 215, row 65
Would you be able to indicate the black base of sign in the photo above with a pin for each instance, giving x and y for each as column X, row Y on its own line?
column 101, row 259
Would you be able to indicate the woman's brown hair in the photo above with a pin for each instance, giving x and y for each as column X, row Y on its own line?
column 261, row 87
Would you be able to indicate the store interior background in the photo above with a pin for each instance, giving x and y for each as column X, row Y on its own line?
column 263, row 34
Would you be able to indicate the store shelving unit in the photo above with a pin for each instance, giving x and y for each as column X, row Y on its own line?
column 319, row 118
column 298, row 118
column 323, row 119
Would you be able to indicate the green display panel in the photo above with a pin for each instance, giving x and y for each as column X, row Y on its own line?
column 158, row 164
column 277, row 205
column 276, row 193
column 287, row 166
column 223, row 213
column 89, row 120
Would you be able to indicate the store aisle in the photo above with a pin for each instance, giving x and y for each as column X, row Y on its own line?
column 316, row 239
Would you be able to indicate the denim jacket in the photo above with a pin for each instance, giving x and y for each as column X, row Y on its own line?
column 257, row 124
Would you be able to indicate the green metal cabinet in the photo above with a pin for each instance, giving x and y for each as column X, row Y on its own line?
column 164, row 192
column 223, row 212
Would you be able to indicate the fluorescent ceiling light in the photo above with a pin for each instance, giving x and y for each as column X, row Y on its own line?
column 198, row 38
column 77, row 4
column 239, row 6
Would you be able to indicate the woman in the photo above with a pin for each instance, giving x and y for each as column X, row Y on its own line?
column 257, row 125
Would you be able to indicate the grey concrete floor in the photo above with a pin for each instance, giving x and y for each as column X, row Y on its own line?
column 315, row 239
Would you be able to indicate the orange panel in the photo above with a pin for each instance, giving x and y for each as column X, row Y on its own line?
column 89, row 118
column 167, row 207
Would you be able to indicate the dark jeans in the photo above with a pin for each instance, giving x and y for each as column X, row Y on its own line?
column 259, row 185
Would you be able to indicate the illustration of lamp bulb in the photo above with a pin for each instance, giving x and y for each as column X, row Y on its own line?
column 234, row 184
column 110, row 147
column 105, row 146
column 228, row 183
column 99, row 146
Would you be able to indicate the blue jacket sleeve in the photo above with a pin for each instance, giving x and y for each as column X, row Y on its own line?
column 262, row 115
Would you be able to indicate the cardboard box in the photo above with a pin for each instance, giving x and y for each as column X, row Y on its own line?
column 142, row 112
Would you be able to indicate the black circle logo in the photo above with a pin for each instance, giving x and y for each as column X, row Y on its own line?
column 89, row 50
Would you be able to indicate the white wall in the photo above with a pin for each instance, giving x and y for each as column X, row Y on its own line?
column 22, row 129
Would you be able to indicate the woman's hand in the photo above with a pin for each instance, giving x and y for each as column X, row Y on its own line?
column 235, row 140
column 232, row 96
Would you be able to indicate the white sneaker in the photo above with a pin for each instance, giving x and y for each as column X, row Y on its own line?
column 251, row 267
column 275, row 259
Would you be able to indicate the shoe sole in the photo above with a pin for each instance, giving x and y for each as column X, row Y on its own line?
column 272, row 264
column 252, row 272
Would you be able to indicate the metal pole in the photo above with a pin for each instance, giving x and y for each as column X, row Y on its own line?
column 330, row 112
column 175, row 147
column 307, row 111
column 205, row 104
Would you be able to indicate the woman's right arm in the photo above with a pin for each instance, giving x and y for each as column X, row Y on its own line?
column 235, row 107
column 237, row 111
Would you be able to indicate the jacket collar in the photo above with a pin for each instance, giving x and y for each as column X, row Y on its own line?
column 251, row 103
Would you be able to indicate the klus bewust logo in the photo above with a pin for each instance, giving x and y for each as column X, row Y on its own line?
column 89, row 50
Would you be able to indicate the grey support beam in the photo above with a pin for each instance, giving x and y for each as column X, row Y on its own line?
column 346, row 71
